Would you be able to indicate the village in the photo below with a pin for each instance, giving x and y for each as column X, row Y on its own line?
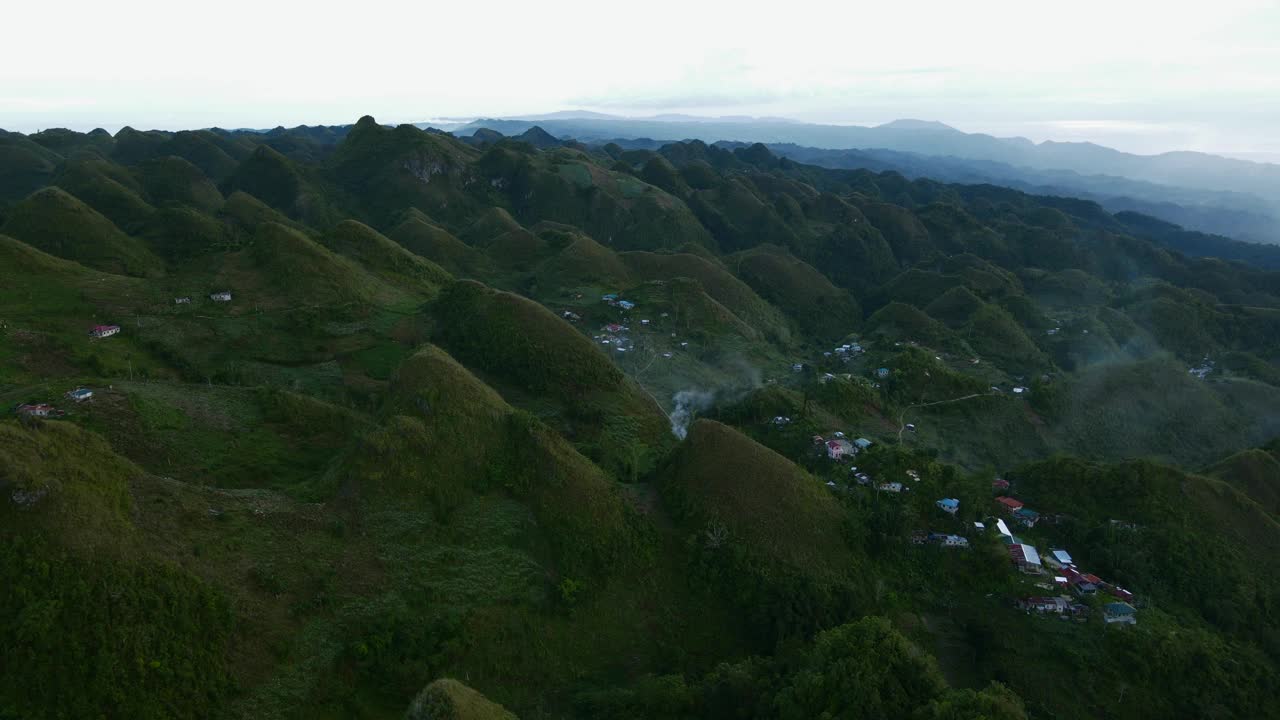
column 1055, row 584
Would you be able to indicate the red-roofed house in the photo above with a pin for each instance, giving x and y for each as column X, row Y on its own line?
column 839, row 448
column 37, row 410
column 103, row 331
column 1009, row 503
column 999, row 484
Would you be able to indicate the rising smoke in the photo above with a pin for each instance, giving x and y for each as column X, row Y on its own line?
column 688, row 403
column 741, row 378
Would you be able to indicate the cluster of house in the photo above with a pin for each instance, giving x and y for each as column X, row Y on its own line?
column 614, row 335
column 1204, row 368
column 43, row 410
column 222, row 296
column 1027, row 559
column 839, row 447
column 1019, row 512
column 942, row 539
column 845, row 352
column 612, row 300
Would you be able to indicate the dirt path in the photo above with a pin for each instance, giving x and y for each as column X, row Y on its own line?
column 902, row 416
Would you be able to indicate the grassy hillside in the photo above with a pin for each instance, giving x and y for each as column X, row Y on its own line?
column 56, row 222
column 528, row 350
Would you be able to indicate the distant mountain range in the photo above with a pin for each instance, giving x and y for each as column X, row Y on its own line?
column 1234, row 197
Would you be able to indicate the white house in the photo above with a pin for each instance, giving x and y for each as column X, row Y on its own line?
column 1059, row 559
column 80, row 394
column 223, row 296
column 893, row 487
column 182, row 301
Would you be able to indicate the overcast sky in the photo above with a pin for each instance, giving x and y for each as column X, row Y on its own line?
column 1140, row 76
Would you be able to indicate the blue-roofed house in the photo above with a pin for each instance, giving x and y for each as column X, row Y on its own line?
column 949, row 505
column 1026, row 516
column 1119, row 612
column 862, row 443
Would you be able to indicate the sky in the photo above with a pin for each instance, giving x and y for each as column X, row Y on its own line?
column 1136, row 75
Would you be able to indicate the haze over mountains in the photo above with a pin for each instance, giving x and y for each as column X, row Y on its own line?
column 1200, row 191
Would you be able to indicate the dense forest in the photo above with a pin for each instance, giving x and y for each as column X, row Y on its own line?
column 378, row 422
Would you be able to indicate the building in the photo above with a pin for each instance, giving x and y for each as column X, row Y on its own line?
column 949, row 505
column 80, row 394
column 953, row 541
column 1119, row 612
column 1059, row 559
column 1002, row 528
column 223, row 296
column 882, row 373
column 862, row 443
column 36, row 410
column 626, row 305
column 893, row 487
column 980, row 527
column 1026, row 516
column 1043, row 604
column 999, row 484
column 1009, row 503
column 1026, row 558
column 839, row 448
column 614, row 328
column 104, row 331
column 182, row 301
column 1117, row 592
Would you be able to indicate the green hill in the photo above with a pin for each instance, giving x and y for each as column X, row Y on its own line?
column 448, row 699
column 56, row 222
column 419, row 235
column 285, row 266
column 718, row 282
column 799, row 290
column 373, row 251
column 107, row 189
column 1255, row 473
column 174, row 181
column 531, row 352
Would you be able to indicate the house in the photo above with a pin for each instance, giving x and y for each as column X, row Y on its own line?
column 36, row 410
column 1009, row 503
column 914, row 475
column 614, row 328
column 839, row 448
column 1026, row 558
column 882, row 373
column 1043, row 604
column 1002, row 528
column 999, row 484
column 862, row 443
column 1026, row 516
column 911, row 427
column 980, row 527
column 104, row 331
column 626, row 305
column 1117, row 592
column 609, row 298
column 644, row 322
column 949, row 505
column 571, row 316
column 182, row 301
column 953, row 541
column 1119, row 612
column 797, row 367
column 1019, row 390
column 1059, row 559
column 80, row 394
column 223, row 296
column 893, row 487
